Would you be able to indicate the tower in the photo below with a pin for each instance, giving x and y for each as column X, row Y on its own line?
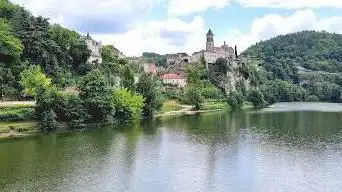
column 210, row 40
column 236, row 52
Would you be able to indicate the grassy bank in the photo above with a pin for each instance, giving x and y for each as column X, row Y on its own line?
column 17, row 129
column 16, row 112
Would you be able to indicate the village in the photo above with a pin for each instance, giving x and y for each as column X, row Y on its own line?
column 173, row 73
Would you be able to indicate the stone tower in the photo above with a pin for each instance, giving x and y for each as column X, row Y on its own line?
column 210, row 40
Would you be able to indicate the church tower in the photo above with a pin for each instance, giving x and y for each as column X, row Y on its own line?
column 210, row 40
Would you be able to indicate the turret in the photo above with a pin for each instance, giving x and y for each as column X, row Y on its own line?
column 236, row 52
column 210, row 40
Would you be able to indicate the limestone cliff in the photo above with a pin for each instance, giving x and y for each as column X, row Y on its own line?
column 230, row 75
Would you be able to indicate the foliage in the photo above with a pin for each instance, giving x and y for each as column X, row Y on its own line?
column 147, row 87
column 96, row 95
column 257, row 98
column 10, row 46
column 128, row 105
column 193, row 96
column 17, row 114
column 282, row 91
column 159, row 60
column 76, row 113
column 235, row 100
column 46, row 97
column 308, row 59
column 32, row 79
column 127, row 78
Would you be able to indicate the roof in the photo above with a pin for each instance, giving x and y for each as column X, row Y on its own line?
column 172, row 76
column 210, row 32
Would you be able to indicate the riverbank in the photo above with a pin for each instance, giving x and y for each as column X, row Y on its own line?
column 27, row 127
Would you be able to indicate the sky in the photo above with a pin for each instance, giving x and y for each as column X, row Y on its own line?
column 172, row 26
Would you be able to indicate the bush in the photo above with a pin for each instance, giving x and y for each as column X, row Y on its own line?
column 312, row 98
column 48, row 120
column 209, row 91
column 128, row 105
column 235, row 100
column 257, row 98
column 17, row 114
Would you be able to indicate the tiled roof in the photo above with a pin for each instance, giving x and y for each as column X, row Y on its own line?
column 172, row 76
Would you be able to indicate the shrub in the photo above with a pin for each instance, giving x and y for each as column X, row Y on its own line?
column 312, row 98
column 48, row 120
column 257, row 98
column 128, row 105
column 17, row 114
column 235, row 100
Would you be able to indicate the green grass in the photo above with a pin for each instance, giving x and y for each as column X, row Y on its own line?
column 17, row 114
column 214, row 105
column 5, row 127
column 222, row 105
column 170, row 106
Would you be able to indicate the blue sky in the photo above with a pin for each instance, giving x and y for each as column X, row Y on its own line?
column 169, row 26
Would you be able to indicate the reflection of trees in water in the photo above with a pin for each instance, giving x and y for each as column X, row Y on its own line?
column 298, row 124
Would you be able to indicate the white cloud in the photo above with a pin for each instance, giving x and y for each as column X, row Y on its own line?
column 291, row 4
column 184, row 7
column 272, row 25
column 72, row 13
column 160, row 36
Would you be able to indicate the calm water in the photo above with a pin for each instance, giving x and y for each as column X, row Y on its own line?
column 277, row 149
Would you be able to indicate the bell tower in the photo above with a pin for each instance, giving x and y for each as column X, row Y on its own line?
column 210, row 40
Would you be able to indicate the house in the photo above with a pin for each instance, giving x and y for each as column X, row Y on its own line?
column 150, row 68
column 174, row 79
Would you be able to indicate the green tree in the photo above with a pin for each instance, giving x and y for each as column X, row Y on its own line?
column 45, row 103
column 128, row 105
column 10, row 46
column 257, row 98
column 193, row 96
column 235, row 100
column 32, row 79
column 146, row 87
column 77, row 116
column 127, row 78
column 96, row 95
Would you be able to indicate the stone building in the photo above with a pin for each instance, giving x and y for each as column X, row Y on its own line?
column 174, row 79
column 95, row 48
column 212, row 53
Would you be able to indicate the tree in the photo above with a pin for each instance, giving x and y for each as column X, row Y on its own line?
column 128, row 105
column 146, row 87
column 33, row 78
column 77, row 116
column 46, row 97
column 235, row 100
column 257, row 98
column 96, row 95
column 127, row 78
column 10, row 46
column 193, row 96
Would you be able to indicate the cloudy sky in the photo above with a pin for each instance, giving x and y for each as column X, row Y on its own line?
column 169, row 26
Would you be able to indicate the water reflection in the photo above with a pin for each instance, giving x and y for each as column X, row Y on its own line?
column 241, row 151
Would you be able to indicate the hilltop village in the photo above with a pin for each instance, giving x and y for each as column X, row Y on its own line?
column 172, row 71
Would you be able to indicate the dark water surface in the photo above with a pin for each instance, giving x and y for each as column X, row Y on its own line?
column 270, row 150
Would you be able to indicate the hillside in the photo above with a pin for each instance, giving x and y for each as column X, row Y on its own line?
column 318, row 51
column 312, row 60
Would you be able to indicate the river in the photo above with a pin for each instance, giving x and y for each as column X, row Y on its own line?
column 287, row 147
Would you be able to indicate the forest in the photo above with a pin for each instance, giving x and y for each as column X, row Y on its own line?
column 308, row 62
column 48, row 63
